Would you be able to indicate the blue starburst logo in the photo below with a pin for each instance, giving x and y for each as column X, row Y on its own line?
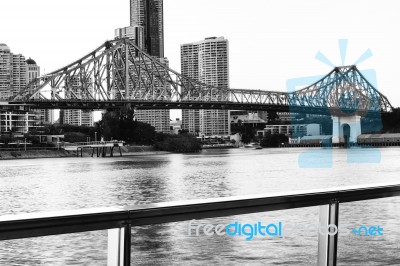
column 343, row 52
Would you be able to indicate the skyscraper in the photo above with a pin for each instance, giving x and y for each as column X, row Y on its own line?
column 206, row 61
column 149, row 15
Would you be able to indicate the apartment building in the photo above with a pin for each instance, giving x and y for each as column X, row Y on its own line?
column 206, row 61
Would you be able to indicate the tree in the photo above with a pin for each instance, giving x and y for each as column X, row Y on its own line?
column 246, row 138
column 179, row 143
column 246, row 130
column 272, row 116
column 185, row 131
column 143, row 133
column 391, row 121
column 273, row 140
column 32, row 139
column 62, row 129
column 75, row 137
column 120, row 125
column 6, row 139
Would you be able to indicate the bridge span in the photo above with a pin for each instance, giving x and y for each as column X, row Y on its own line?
column 118, row 74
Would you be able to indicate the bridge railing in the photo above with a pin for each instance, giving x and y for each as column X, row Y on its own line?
column 119, row 221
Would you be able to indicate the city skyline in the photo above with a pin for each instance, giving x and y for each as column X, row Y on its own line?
column 265, row 49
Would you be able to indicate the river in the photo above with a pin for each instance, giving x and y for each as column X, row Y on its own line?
column 36, row 185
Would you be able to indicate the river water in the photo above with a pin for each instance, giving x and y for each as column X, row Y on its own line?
column 71, row 183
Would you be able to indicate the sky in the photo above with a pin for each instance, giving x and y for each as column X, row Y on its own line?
column 270, row 42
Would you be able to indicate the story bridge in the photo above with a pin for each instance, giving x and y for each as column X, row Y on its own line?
column 118, row 73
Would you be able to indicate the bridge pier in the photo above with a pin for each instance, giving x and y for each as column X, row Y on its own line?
column 346, row 129
column 77, row 151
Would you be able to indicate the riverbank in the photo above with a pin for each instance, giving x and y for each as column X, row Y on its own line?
column 32, row 154
column 340, row 145
column 37, row 154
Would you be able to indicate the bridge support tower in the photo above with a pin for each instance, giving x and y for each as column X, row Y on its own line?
column 346, row 129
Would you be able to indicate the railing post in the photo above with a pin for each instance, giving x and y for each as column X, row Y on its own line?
column 119, row 246
column 127, row 244
column 114, row 247
column 328, row 234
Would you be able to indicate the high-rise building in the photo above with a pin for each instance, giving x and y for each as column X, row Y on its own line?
column 76, row 117
column 18, row 73
column 13, row 78
column 33, row 70
column 149, row 15
column 13, row 72
column 206, row 61
column 5, row 72
column 159, row 118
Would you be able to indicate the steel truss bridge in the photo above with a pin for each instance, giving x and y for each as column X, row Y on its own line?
column 119, row 74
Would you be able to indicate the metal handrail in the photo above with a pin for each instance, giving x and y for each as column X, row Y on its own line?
column 51, row 223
